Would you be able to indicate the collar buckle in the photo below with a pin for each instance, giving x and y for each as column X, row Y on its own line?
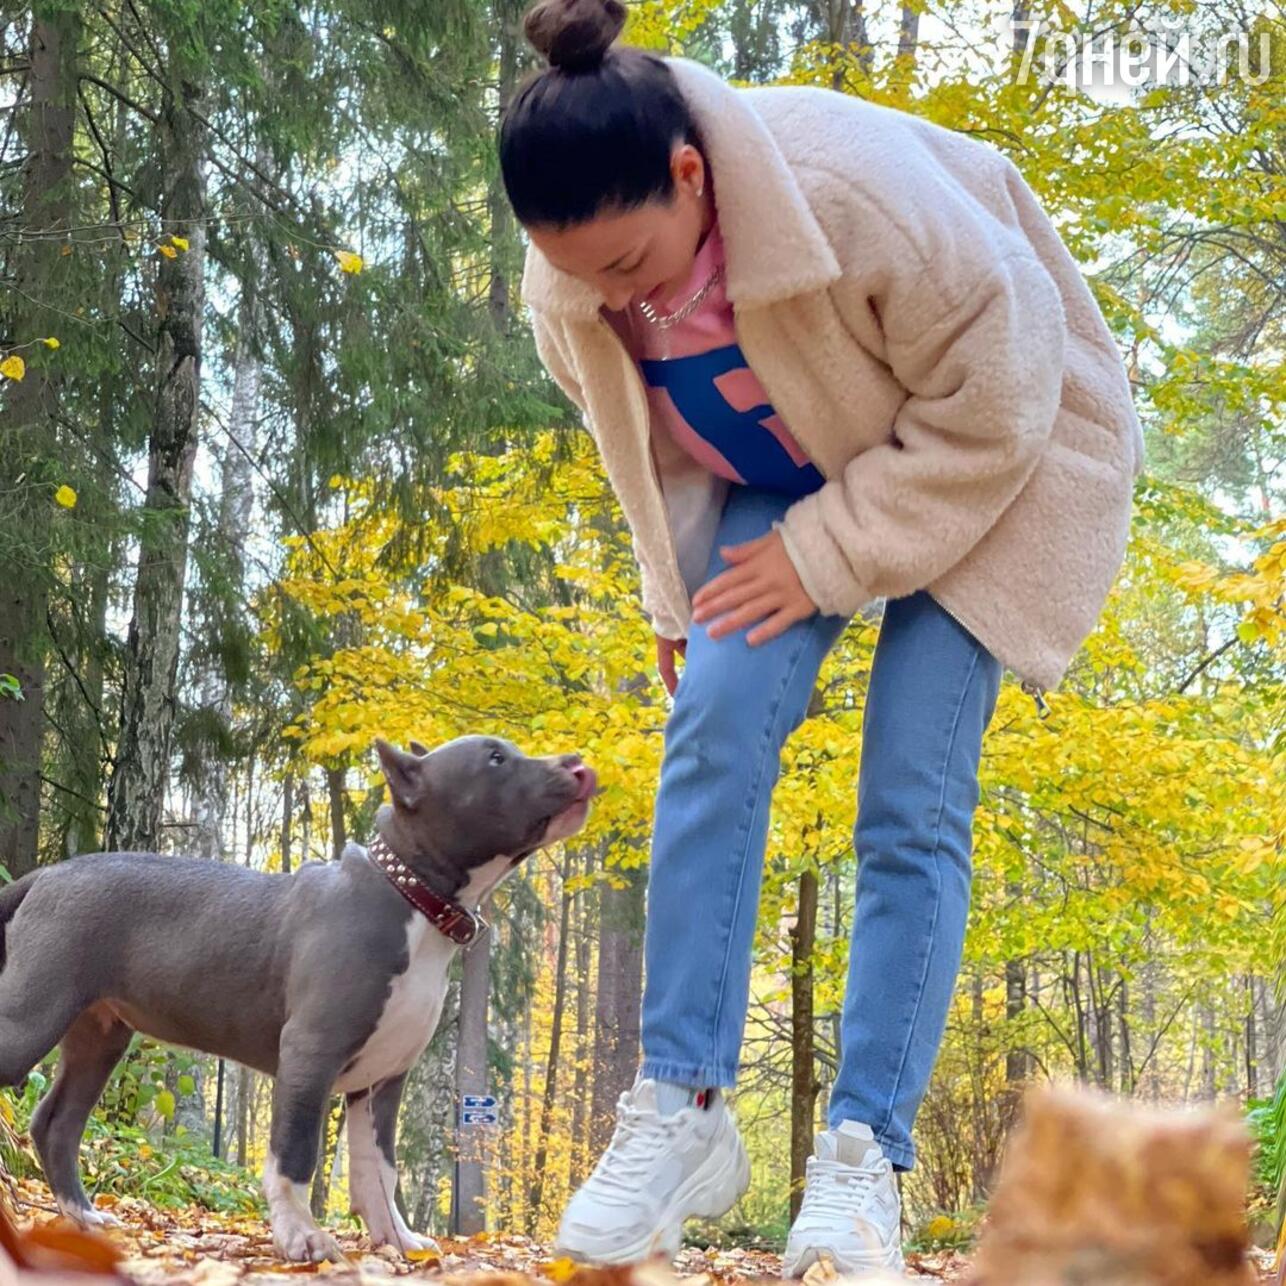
column 473, row 924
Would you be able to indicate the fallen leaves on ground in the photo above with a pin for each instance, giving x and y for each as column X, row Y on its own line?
column 194, row 1247
column 1092, row 1190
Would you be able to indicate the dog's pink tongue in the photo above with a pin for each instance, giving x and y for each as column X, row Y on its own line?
column 588, row 784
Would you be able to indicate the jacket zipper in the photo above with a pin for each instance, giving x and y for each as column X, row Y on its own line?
column 1033, row 689
column 1037, row 694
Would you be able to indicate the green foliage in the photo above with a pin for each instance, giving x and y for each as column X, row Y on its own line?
column 1267, row 1118
column 122, row 1156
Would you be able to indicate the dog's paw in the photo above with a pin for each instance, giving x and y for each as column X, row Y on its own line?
column 303, row 1243
column 88, row 1216
column 408, row 1241
column 391, row 1231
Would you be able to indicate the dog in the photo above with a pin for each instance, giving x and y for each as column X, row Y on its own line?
column 330, row 979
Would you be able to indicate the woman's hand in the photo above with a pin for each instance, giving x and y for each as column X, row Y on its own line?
column 761, row 585
column 665, row 653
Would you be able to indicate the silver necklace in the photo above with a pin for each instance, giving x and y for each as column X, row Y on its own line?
column 666, row 320
column 663, row 323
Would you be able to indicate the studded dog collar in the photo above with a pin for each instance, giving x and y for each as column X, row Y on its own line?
column 449, row 918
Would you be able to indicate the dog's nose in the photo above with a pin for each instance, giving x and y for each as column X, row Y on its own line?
column 586, row 779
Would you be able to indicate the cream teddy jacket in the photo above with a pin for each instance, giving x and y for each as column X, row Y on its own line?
column 920, row 327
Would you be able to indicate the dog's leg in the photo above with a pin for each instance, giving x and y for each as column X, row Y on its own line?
column 299, row 1098
column 372, row 1166
column 92, row 1046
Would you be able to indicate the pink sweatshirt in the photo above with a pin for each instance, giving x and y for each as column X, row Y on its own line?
column 707, row 397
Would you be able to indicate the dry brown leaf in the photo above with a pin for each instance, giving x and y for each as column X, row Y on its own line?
column 1100, row 1191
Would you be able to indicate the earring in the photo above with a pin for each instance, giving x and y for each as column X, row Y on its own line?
column 701, row 190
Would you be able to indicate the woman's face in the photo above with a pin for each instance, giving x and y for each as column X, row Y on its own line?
column 642, row 252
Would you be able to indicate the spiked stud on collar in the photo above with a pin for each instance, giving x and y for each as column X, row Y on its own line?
column 450, row 919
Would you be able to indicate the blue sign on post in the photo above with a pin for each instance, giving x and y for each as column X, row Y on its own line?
column 478, row 1109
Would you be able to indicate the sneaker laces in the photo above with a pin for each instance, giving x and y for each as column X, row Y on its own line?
column 640, row 1133
column 835, row 1188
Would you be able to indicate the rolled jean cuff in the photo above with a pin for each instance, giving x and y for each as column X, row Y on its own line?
column 698, row 1078
column 903, row 1158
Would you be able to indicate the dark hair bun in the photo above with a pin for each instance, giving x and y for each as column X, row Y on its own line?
column 574, row 35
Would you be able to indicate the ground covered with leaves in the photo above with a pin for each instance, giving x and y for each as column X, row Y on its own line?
column 203, row 1248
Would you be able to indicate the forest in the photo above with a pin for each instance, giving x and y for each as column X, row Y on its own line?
column 282, row 473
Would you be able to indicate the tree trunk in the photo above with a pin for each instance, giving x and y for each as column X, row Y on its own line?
column 471, row 1077
column 1020, row 16
column 1123, row 1031
column 332, row 1133
column 537, row 1189
column 1272, row 1023
column 843, row 23
column 1252, row 1044
column 335, row 790
column 220, row 1083
column 580, row 1079
column 1017, row 1061
column 908, row 31
column 136, row 797
column 83, row 743
column 1209, row 1070
column 236, row 506
column 25, row 424
column 803, row 1081
column 618, row 1001
column 287, row 818
column 506, row 250
column 305, row 819
column 243, row 1114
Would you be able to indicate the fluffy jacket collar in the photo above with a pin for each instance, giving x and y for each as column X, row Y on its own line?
column 775, row 247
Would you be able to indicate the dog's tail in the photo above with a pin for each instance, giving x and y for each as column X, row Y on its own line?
column 11, row 896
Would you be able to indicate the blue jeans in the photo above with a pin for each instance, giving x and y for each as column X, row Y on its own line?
column 932, row 692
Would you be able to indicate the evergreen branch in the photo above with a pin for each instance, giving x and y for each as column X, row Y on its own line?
column 121, row 96
column 75, row 674
column 113, row 184
column 272, row 486
column 75, row 794
column 120, row 35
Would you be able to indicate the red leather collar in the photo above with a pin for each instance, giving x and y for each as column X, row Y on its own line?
column 449, row 918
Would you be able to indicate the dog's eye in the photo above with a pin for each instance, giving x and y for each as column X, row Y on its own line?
column 497, row 757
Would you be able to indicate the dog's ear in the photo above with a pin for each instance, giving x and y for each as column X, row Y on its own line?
column 417, row 749
column 403, row 773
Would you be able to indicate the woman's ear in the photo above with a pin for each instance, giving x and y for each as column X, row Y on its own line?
column 688, row 169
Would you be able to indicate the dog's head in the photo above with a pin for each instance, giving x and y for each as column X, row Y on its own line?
column 475, row 801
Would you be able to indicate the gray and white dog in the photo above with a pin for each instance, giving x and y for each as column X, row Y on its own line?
column 330, row 979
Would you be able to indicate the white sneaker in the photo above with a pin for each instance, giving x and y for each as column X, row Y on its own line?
column 656, row 1172
column 851, row 1213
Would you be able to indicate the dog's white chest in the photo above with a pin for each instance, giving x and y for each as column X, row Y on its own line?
column 410, row 1014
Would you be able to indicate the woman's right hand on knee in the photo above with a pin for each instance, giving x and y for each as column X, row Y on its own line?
column 666, row 650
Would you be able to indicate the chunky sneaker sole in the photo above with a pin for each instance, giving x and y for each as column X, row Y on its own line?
column 709, row 1192
column 798, row 1260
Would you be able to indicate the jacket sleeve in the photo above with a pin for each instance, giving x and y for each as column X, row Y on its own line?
column 556, row 363
column 984, row 377
column 553, row 360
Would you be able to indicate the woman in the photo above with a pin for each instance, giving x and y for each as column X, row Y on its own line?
column 830, row 353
